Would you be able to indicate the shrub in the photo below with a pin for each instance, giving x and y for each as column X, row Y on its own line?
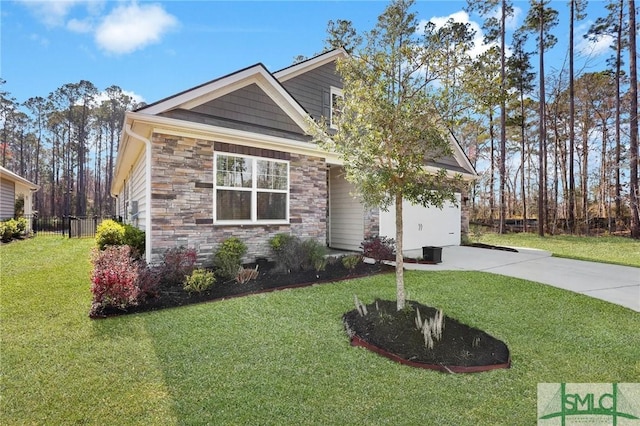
column 314, row 255
column 244, row 275
column 134, row 238
column 114, row 279
column 21, row 227
column 177, row 263
column 9, row 229
column 109, row 233
column 287, row 251
column 351, row 261
column 379, row 248
column 228, row 257
column 199, row 280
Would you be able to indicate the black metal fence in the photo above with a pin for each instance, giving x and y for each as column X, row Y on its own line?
column 68, row 226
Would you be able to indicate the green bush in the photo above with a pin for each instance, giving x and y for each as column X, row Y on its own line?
column 135, row 238
column 314, row 255
column 228, row 257
column 21, row 226
column 109, row 233
column 199, row 280
column 351, row 261
column 287, row 250
column 3, row 228
column 9, row 230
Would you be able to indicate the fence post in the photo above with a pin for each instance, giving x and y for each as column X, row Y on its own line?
column 69, row 222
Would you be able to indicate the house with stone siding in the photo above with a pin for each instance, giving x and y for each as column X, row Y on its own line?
column 233, row 157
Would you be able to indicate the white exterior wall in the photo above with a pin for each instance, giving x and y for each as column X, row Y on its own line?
column 424, row 226
column 346, row 214
column 137, row 193
column 134, row 190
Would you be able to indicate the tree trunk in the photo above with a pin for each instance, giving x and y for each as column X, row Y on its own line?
column 633, row 132
column 618, row 192
column 400, row 293
column 541, row 133
column 571, row 220
column 503, row 118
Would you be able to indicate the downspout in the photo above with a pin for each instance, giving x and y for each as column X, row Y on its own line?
column 147, row 188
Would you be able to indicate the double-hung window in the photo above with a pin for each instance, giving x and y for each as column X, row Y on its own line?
column 250, row 189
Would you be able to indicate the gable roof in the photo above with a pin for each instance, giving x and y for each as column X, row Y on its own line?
column 309, row 64
column 255, row 74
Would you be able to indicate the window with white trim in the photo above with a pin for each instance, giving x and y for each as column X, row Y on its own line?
column 250, row 189
column 336, row 105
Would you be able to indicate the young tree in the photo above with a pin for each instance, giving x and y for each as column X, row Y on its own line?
column 387, row 130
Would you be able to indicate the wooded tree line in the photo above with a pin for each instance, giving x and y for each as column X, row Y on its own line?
column 560, row 146
column 66, row 143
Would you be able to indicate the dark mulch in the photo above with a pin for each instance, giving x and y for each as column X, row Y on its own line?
column 170, row 295
column 393, row 333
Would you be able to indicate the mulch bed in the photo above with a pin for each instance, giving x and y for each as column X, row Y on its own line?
column 173, row 295
column 393, row 334
column 384, row 330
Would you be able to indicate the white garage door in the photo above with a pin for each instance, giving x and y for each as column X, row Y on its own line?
column 346, row 213
column 424, row 226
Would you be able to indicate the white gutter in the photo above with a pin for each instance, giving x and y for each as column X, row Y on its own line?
column 147, row 189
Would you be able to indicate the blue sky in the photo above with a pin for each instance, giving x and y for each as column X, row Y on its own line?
column 154, row 49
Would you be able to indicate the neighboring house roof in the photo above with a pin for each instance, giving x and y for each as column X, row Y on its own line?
column 9, row 175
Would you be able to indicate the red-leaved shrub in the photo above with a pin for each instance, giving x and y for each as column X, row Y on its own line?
column 379, row 248
column 115, row 278
column 177, row 264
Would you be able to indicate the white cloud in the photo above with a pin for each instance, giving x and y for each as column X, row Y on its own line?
column 596, row 47
column 479, row 46
column 591, row 48
column 102, row 96
column 43, row 41
column 132, row 27
column 80, row 26
column 53, row 13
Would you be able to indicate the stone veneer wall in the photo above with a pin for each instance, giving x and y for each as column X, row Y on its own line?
column 182, row 201
column 371, row 222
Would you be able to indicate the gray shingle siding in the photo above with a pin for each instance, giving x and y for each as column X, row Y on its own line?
column 248, row 108
column 308, row 88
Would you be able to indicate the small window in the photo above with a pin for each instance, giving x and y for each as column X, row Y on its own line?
column 250, row 189
column 336, row 105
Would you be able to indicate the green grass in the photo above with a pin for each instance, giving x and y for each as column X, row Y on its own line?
column 283, row 357
column 606, row 249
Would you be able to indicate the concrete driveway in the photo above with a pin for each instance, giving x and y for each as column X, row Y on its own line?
column 613, row 283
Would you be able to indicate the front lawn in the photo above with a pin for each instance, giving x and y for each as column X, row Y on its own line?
column 284, row 358
column 605, row 249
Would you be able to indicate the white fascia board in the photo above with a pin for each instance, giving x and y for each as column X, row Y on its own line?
column 204, row 93
column 8, row 174
column 462, row 159
column 175, row 127
column 306, row 66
